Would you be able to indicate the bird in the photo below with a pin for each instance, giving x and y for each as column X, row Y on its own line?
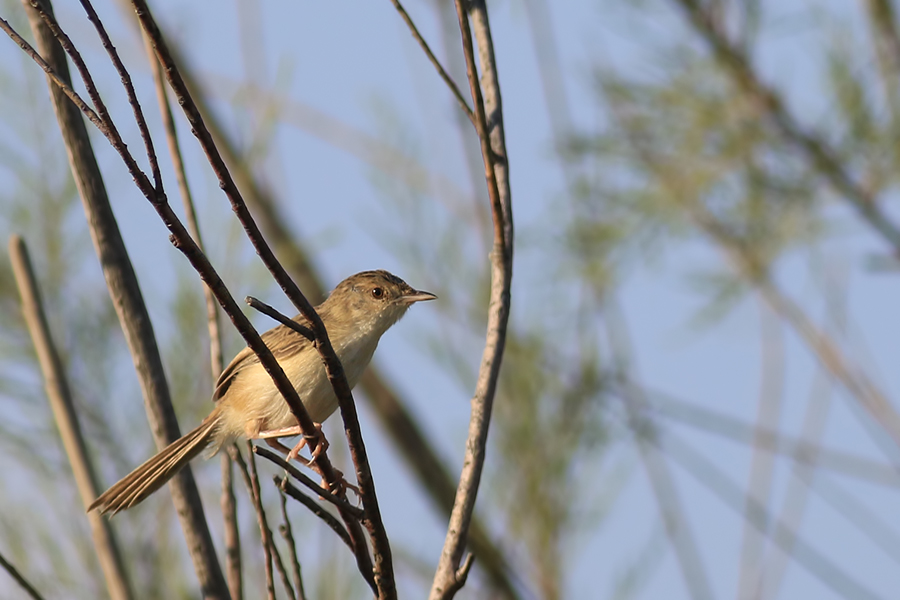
column 356, row 314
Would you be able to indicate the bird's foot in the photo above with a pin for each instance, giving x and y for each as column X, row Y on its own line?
column 320, row 447
column 341, row 485
column 271, row 438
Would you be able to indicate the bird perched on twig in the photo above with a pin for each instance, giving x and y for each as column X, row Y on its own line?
column 356, row 314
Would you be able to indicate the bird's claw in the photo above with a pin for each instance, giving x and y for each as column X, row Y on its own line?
column 341, row 485
column 321, row 446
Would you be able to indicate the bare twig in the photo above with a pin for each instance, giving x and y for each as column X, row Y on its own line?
column 265, row 534
column 281, row 318
column 56, row 385
column 251, row 481
column 233, row 569
column 308, row 482
column 470, row 146
column 382, row 563
column 187, row 200
column 288, row 534
column 64, row 86
column 122, row 283
column 319, row 511
column 449, row 578
column 20, row 579
column 125, row 77
column 257, row 494
column 434, row 61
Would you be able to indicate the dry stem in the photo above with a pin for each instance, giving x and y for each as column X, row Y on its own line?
column 450, row 575
column 56, row 384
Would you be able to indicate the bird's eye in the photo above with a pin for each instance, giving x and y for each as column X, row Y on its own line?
column 378, row 293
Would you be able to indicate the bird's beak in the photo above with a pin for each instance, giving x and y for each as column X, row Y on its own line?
column 416, row 296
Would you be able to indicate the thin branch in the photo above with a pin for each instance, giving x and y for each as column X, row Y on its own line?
column 280, row 317
column 288, row 534
column 125, row 77
column 23, row 583
column 382, row 563
column 51, row 73
column 434, row 61
column 257, row 493
column 233, row 569
column 470, row 146
column 308, row 482
column 122, row 283
column 251, row 481
column 56, row 384
column 493, row 149
column 187, row 201
column 319, row 511
column 43, row 9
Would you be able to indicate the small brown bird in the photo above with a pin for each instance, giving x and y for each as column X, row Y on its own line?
column 356, row 314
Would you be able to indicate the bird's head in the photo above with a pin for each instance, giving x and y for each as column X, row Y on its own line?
column 371, row 301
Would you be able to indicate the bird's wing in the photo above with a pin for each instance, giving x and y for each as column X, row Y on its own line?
column 281, row 340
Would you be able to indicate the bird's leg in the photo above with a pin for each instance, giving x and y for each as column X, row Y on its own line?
column 321, row 446
column 271, row 436
column 274, row 443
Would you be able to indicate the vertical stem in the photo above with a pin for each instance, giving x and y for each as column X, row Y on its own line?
column 56, row 385
column 252, row 483
column 450, row 575
column 288, row 534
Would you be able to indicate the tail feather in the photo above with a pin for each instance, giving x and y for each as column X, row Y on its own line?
column 150, row 476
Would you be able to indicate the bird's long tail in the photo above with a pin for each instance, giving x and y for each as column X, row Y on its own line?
column 156, row 471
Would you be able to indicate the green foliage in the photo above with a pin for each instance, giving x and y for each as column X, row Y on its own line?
column 687, row 156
